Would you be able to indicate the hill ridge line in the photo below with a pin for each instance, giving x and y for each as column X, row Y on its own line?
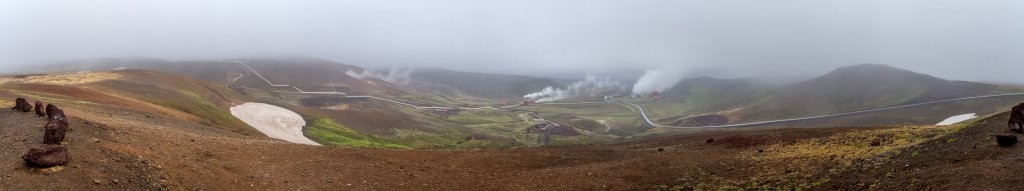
column 642, row 114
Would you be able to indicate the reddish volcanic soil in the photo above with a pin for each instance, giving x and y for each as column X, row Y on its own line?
column 116, row 147
column 119, row 148
column 967, row 160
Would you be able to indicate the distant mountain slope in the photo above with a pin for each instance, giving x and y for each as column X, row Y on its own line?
column 309, row 74
column 484, row 84
column 711, row 93
column 859, row 87
column 845, row 89
column 176, row 96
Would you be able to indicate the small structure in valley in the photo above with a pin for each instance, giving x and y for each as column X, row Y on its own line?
column 655, row 95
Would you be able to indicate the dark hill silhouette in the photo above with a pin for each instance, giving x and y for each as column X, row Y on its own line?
column 859, row 87
column 485, row 85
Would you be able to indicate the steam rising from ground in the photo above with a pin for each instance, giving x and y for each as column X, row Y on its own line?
column 590, row 86
column 659, row 79
column 393, row 75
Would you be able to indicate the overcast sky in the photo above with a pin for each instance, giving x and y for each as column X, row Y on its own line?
column 966, row 40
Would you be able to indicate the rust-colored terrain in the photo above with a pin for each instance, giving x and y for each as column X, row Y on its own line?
column 122, row 140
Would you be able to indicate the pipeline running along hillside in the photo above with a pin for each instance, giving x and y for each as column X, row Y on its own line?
column 643, row 114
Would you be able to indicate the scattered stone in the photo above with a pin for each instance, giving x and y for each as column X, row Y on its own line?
column 1016, row 122
column 20, row 104
column 94, row 181
column 50, row 170
column 876, row 142
column 46, row 155
column 54, row 131
column 710, row 140
column 1006, row 140
column 52, row 112
column 39, row 109
column 661, row 149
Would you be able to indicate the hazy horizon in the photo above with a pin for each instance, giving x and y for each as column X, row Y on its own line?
column 672, row 40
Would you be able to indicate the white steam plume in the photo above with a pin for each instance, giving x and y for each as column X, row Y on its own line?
column 659, row 79
column 393, row 75
column 591, row 85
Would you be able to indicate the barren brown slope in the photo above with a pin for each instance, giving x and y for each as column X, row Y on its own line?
column 181, row 97
column 126, row 148
column 129, row 146
column 316, row 74
column 132, row 151
column 485, row 85
column 858, row 87
column 967, row 160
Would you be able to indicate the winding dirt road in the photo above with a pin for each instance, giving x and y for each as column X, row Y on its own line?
column 643, row 114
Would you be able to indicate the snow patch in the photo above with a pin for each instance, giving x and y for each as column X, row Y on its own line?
column 274, row 121
column 957, row 118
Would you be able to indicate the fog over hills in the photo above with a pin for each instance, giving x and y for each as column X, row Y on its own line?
column 960, row 40
column 511, row 95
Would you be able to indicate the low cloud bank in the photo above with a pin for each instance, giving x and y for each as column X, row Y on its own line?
column 392, row 75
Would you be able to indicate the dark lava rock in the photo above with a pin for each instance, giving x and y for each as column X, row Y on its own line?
column 52, row 112
column 39, row 109
column 661, row 149
column 876, row 142
column 1006, row 140
column 1016, row 122
column 54, row 131
column 20, row 104
column 46, row 155
column 710, row 140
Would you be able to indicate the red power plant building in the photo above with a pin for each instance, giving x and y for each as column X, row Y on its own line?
column 655, row 95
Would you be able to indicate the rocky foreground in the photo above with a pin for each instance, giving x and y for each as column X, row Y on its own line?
column 119, row 147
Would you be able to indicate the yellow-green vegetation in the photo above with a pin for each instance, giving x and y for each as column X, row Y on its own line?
column 485, row 116
column 477, row 144
column 326, row 132
column 611, row 118
column 1010, row 89
column 841, row 151
column 583, row 109
column 181, row 100
column 439, row 138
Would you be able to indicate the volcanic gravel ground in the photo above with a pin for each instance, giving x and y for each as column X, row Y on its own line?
column 967, row 160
